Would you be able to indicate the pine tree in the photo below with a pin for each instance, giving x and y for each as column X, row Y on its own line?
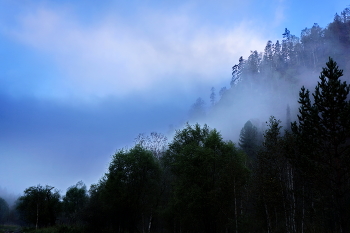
column 323, row 133
column 248, row 140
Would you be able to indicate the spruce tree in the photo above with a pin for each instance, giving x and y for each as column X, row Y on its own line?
column 248, row 140
column 323, row 134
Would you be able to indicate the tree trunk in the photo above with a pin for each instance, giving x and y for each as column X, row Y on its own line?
column 150, row 222
column 234, row 193
column 37, row 216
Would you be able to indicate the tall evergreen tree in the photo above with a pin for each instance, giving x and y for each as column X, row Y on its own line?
column 323, row 133
column 248, row 140
column 237, row 71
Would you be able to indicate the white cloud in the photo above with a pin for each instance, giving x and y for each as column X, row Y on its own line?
column 114, row 56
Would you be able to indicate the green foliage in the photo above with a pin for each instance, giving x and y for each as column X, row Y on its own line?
column 270, row 180
column 74, row 202
column 4, row 211
column 249, row 141
column 323, row 137
column 129, row 192
column 39, row 206
column 209, row 175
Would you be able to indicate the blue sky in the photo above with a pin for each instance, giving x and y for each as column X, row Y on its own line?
column 81, row 79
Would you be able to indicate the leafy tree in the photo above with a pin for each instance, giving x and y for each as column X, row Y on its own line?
column 40, row 205
column 4, row 211
column 130, row 190
column 209, row 175
column 95, row 212
column 74, row 202
column 323, row 133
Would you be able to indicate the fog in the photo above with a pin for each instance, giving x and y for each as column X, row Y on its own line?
column 80, row 82
column 269, row 92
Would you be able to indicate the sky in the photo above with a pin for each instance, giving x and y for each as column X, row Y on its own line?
column 81, row 79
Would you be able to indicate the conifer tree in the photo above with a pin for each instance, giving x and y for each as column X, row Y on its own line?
column 248, row 140
column 323, row 133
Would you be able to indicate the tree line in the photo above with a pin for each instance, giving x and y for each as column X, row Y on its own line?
column 296, row 180
column 288, row 178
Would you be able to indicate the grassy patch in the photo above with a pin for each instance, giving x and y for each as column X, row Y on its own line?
column 6, row 228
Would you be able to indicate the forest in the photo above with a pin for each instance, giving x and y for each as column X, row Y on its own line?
column 290, row 175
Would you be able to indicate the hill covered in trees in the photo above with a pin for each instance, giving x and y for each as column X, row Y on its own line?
column 267, row 82
column 286, row 177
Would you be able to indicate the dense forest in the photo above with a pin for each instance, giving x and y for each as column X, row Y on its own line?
column 290, row 175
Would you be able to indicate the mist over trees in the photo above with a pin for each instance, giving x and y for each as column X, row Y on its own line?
column 266, row 82
column 290, row 176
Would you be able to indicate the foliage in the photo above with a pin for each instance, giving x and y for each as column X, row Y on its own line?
column 4, row 211
column 39, row 206
column 155, row 142
column 249, row 140
column 209, row 175
column 129, row 192
column 74, row 202
column 323, row 134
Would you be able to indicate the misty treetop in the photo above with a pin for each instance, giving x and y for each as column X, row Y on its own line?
column 274, row 76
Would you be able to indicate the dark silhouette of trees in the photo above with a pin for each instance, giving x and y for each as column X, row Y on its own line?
column 39, row 206
column 209, row 176
column 4, row 211
column 249, row 140
column 130, row 190
column 74, row 203
column 323, row 133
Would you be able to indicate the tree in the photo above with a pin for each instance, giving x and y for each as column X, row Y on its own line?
column 222, row 92
column 4, row 211
column 323, row 134
column 237, row 71
column 267, row 62
column 209, row 175
column 312, row 40
column 274, row 183
column 198, row 109
column 277, row 56
column 155, row 142
column 130, row 190
column 39, row 205
column 212, row 96
column 248, row 140
column 253, row 62
column 74, row 202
